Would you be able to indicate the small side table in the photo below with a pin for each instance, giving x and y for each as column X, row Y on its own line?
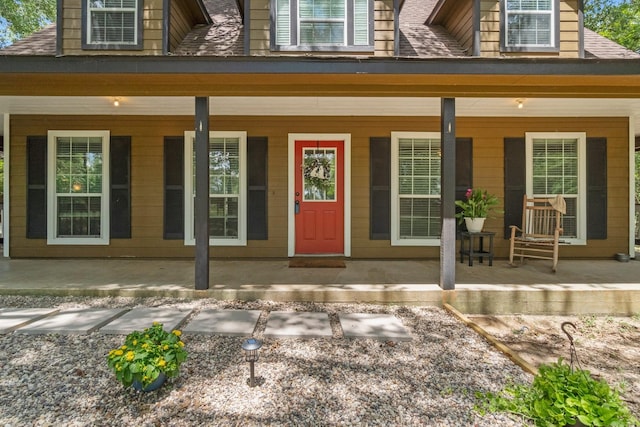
column 471, row 251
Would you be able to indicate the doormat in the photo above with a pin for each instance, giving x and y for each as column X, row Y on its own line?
column 316, row 263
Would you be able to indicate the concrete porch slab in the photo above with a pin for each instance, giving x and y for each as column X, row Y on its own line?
column 142, row 318
column 376, row 326
column 14, row 318
column 80, row 321
column 223, row 322
column 282, row 324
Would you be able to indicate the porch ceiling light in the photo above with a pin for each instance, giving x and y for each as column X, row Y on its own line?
column 116, row 101
column 251, row 347
column 520, row 103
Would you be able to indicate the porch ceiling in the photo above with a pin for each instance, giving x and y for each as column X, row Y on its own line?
column 323, row 106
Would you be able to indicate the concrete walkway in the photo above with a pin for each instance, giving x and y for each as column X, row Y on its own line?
column 279, row 324
column 602, row 286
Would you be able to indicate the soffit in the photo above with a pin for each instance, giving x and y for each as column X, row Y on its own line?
column 324, row 106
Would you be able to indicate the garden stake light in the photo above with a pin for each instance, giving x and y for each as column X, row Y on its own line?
column 251, row 347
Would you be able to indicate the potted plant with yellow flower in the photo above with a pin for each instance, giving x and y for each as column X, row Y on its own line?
column 475, row 209
column 147, row 358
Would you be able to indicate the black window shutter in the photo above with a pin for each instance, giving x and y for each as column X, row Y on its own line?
column 515, row 182
column 36, row 187
column 174, row 187
column 464, row 170
column 120, row 161
column 464, row 166
column 596, row 188
column 257, row 214
column 380, row 188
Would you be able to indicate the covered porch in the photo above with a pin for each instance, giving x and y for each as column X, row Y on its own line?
column 475, row 90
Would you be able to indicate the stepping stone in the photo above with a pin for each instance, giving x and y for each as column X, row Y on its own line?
column 141, row 318
column 281, row 324
column 14, row 318
column 74, row 321
column 223, row 322
column 376, row 326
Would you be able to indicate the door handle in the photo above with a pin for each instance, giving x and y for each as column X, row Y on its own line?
column 297, row 207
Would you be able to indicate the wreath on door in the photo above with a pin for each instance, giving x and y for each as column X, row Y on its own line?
column 317, row 172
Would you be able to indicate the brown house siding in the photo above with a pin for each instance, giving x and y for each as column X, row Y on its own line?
column 152, row 23
column 458, row 20
column 181, row 22
column 147, row 137
column 490, row 31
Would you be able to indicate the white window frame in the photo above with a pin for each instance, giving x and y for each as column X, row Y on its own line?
column 553, row 13
column 136, row 20
column 395, row 190
column 581, row 202
column 52, row 205
column 189, row 218
column 292, row 22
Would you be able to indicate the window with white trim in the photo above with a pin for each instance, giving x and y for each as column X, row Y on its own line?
column 529, row 25
column 78, row 187
column 227, row 188
column 112, row 23
column 415, row 188
column 556, row 164
column 322, row 25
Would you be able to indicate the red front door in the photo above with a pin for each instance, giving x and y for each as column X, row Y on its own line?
column 319, row 197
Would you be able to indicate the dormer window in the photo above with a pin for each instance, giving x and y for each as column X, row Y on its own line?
column 529, row 25
column 112, row 24
column 322, row 25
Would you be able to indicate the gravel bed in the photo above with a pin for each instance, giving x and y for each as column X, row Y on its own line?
column 54, row 380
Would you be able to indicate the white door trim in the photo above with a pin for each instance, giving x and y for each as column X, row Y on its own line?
column 293, row 137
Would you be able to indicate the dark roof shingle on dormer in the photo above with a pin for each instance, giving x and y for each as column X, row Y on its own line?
column 225, row 37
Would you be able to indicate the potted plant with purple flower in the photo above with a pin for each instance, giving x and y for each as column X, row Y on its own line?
column 475, row 208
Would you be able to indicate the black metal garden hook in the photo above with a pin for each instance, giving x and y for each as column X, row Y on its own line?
column 567, row 333
column 572, row 348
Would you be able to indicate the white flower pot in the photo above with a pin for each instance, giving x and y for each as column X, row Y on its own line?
column 474, row 225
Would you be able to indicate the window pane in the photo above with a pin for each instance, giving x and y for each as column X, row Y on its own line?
column 319, row 178
column 78, row 216
column 113, row 21
column 419, row 188
column 224, row 186
column 419, row 218
column 321, row 33
column 321, row 9
column 79, row 174
column 223, row 217
column 555, row 168
column 529, row 29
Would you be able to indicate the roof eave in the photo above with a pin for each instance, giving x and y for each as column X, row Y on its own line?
column 303, row 65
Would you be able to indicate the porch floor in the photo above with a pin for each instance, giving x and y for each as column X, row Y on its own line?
column 579, row 286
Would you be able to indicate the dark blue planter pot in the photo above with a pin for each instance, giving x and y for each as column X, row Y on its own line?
column 153, row 386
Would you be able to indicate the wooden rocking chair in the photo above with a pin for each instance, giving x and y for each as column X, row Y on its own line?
column 541, row 229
